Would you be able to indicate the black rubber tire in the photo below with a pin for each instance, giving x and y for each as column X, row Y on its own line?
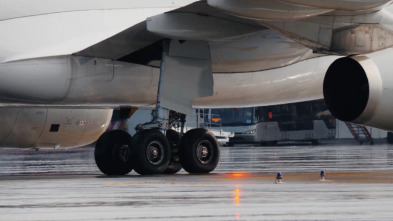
column 112, row 153
column 189, row 145
column 268, row 143
column 173, row 167
column 263, row 144
column 272, row 143
column 151, row 139
column 390, row 138
column 173, row 140
column 315, row 142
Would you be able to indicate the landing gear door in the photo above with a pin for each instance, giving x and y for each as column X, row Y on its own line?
column 186, row 74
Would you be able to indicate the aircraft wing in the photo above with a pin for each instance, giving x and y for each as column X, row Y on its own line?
column 197, row 21
column 263, row 36
column 308, row 28
column 222, row 52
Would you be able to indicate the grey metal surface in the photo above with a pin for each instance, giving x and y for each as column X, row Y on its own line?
column 65, row 185
column 32, row 127
column 185, row 74
column 91, row 82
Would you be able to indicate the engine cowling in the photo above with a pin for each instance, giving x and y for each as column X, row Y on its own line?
column 54, row 127
column 266, row 9
column 359, row 89
column 349, row 5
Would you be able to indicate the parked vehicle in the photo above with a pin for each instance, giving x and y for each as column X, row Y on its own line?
column 305, row 121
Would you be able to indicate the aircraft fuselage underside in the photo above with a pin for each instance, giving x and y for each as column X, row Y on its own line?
column 94, row 82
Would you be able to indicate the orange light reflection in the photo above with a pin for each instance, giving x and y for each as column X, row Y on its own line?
column 237, row 196
column 216, row 120
column 239, row 175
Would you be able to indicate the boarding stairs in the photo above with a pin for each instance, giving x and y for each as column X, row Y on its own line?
column 360, row 133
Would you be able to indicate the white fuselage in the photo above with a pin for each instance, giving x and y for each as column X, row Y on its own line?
column 38, row 68
column 80, row 81
column 46, row 28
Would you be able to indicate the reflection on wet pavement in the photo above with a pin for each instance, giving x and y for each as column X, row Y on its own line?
column 288, row 159
column 308, row 158
column 66, row 185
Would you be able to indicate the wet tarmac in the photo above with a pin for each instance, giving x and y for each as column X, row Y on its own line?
column 66, row 185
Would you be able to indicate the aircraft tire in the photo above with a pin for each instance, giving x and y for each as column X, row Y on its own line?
column 151, row 152
column 390, row 138
column 173, row 168
column 173, row 140
column 199, row 151
column 112, row 153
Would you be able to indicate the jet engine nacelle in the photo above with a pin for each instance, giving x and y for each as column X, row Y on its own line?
column 349, row 5
column 359, row 89
column 39, row 127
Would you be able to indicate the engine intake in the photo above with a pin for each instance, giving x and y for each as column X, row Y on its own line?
column 359, row 89
column 346, row 89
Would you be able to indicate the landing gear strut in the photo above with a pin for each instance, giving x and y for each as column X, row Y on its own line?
column 185, row 74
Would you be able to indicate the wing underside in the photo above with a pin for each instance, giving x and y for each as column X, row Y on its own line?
column 247, row 35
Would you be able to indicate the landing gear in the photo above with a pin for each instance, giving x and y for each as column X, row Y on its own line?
column 181, row 65
column 150, row 152
column 199, row 152
column 390, row 138
column 112, row 153
column 174, row 163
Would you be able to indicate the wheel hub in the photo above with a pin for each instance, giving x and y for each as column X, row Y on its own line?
column 204, row 152
column 154, row 153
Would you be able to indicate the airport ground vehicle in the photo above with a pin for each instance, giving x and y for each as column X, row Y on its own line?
column 202, row 119
column 305, row 121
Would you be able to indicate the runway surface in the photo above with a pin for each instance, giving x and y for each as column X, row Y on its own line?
column 66, row 185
